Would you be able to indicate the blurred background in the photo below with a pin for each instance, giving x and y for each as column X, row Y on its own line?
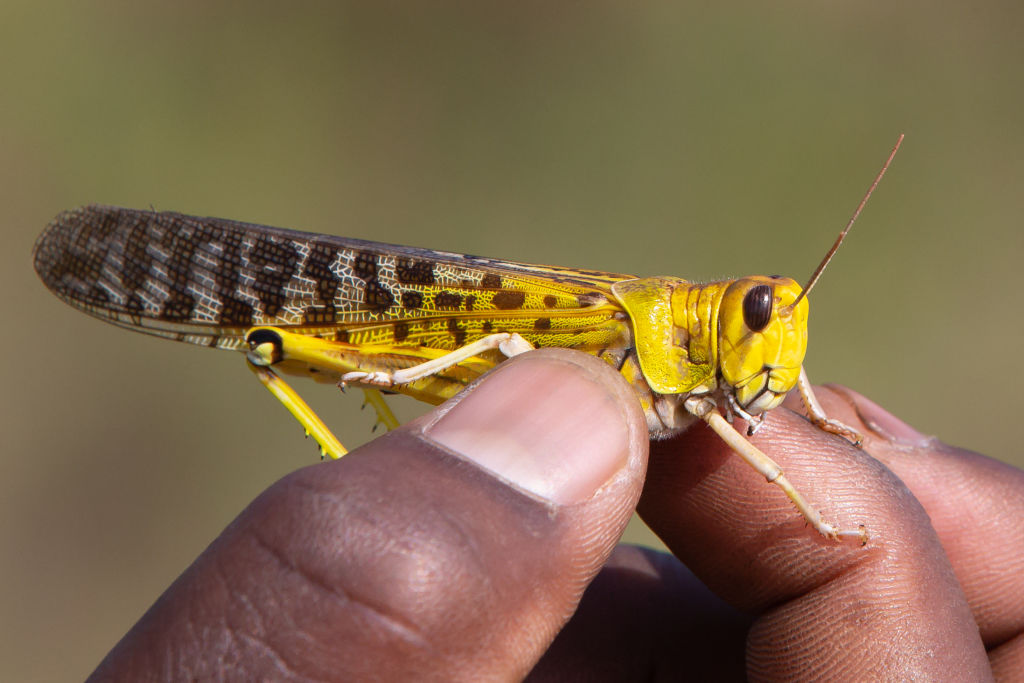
column 700, row 140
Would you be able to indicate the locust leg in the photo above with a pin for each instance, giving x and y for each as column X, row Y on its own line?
column 508, row 344
column 384, row 415
column 269, row 346
column 817, row 414
column 311, row 423
column 705, row 409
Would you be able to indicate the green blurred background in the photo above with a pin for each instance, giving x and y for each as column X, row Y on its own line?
column 698, row 140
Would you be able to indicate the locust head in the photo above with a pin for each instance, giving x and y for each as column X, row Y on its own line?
column 762, row 328
column 762, row 339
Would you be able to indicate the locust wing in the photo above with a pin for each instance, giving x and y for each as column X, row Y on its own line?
column 208, row 280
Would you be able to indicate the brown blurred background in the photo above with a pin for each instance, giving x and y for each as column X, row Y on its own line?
column 700, row 140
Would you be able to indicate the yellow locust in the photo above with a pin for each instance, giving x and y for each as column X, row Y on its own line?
column 426, row 323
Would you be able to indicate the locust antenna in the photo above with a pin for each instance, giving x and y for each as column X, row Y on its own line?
column 839, row 240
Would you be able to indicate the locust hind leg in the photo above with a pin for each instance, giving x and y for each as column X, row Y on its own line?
column 269, row 346
column 508, row 344
column 705, row 409
column 310, row 421
column 817, row 414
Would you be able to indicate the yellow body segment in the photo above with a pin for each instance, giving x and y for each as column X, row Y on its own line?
column 676, row 355
column 690, row 338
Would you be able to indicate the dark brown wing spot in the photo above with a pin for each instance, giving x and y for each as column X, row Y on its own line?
column 542, row 324
column 401, row 331
column 457, row 331
column 175, row 271
column 470, row 302
column 412, row 299
column 365, row 265
column 274, row 264
column 178, row 307
column 236, row 313
column 448, row 300
column 318, row 268
column 491, row 281
column 137, row 260
column 487, row 327
column 509, row 299
column 378, row 297
column 414, row 271
column 341, row 336
column 550, row 301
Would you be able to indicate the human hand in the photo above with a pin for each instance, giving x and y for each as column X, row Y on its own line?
column 405, row 560
column 937, row 593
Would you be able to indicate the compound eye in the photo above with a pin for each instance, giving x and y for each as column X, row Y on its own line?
column 757, row 307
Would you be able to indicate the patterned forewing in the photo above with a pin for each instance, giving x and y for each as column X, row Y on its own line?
column 208, row 280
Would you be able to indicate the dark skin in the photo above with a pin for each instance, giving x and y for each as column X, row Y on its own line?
column 407, row 559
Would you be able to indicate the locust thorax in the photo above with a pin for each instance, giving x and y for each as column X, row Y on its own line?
column 762, row 339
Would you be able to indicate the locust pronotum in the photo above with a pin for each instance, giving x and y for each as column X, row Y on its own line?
column 426, row 323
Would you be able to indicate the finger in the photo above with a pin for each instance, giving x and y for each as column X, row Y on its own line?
column 975, row 503
column 453, row 548
column 824, row 610
column 647, row 617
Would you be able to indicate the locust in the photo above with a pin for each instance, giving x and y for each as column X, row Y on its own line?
column 427, row 323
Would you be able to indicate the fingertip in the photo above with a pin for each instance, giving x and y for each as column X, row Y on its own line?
column 483, row 521
column 869, row 418
column 556, row 423
column 739, row 535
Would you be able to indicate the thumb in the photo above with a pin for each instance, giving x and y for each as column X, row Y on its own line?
column 455, row 547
